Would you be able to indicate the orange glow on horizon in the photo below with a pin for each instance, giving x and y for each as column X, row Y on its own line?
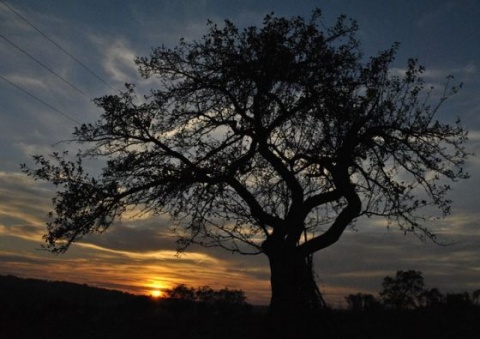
column 156, row 294
column 155, row 288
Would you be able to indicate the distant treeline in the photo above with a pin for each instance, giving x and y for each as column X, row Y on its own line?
column 405, row 309
column 406, row 291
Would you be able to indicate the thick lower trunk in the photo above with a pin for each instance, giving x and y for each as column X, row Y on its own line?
column 295, row 293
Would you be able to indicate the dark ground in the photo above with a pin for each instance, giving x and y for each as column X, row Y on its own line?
column 40, row 309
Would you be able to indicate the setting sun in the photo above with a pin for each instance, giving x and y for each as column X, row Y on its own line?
column 156, row 294
column 155, row 288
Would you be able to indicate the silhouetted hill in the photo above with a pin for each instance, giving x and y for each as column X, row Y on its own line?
column 34, row 292
column 31, row 308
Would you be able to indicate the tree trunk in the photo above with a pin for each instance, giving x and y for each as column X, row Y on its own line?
column 295, row 294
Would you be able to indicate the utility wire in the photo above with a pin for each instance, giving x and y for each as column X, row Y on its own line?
column 40, row 100
column 57, row 45
column 45, row 66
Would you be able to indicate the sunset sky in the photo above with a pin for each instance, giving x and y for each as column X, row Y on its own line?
column 47, row 88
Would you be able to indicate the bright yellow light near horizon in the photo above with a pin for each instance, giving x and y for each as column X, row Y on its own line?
column 156, row 294
column 155, row 288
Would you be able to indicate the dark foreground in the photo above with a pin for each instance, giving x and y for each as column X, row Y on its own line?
column 38, row 309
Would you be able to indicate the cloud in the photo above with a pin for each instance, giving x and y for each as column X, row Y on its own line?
column 470, row 69
column 136, row 236
column 134, row 272
column 438, row 75
column 154, row 248
column 128, row 256
column 26, row 81
column 23, row 206
column 117, row 58
column 442, row 11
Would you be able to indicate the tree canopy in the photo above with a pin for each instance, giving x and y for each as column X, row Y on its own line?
column 251, row 128
column 404, row 291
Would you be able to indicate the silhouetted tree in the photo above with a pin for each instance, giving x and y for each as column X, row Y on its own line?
column 206, row 294
column 361, row 302
column 265, row 140
column 205, row 301
column 458, row 300
column 182, row 292
column 232, row 297
column 432, row 298
column 476, row 297
column 404, row 291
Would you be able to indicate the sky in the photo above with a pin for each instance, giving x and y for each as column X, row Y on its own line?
column 56, row 56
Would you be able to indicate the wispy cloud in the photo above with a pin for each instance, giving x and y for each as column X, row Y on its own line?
column 117, row 58
column 128, row 257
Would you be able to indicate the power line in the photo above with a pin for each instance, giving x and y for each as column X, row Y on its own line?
column 40, row 100
column 45, row 66
column 57, row 45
